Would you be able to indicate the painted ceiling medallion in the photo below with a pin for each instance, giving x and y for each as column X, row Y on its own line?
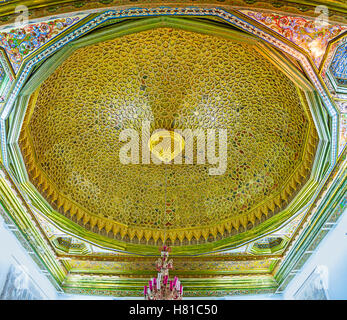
column 166, row 145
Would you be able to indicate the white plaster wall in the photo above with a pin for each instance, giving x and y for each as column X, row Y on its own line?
column 12, row 252
column 331, row 253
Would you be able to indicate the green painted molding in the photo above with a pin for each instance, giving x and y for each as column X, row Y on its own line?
column 332, row 205
column 14, row 212
column 44, row 8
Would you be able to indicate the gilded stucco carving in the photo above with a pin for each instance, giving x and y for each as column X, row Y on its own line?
column 175, row 79
column 260, row 266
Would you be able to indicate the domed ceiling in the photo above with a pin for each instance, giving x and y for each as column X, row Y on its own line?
column 174, row 79
column 76, row 76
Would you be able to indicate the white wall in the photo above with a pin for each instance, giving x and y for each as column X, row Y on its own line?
column 331, row 253
column 12, row 253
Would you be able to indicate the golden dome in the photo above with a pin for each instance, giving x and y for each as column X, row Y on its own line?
column 174, row 79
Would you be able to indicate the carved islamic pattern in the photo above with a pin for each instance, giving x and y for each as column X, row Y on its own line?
column 176, row 79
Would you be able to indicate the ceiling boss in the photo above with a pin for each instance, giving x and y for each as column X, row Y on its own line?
column 166, row 145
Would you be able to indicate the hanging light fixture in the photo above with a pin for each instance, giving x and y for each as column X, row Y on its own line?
column 162, row 288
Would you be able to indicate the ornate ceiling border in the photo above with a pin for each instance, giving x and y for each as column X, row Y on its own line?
column 44, row 8
column 20, row 43
column 7, row 78
column 302, row 31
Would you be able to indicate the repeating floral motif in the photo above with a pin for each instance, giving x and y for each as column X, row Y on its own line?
column 306, row 33
column 6, row 76
column 19, row 43
column 327, row 62
column 268, row 242
column 338, row 66
column 330, row 57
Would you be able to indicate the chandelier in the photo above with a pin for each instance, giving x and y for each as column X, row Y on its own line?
column 161, row 288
